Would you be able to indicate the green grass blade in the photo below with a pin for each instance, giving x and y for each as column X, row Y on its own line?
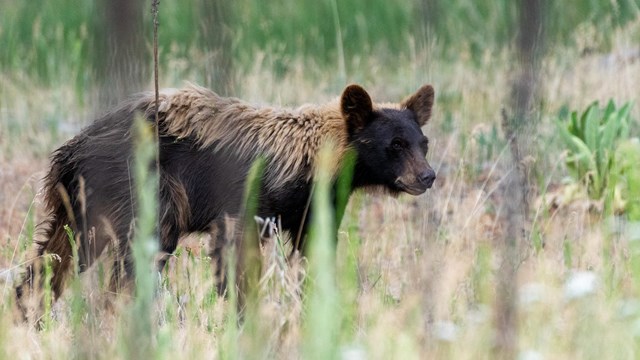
column 138, row 326
column 322, row 316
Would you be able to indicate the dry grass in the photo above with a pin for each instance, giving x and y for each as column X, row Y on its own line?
column 423, row 282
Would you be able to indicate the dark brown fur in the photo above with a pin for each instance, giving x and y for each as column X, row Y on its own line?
column 207, row 144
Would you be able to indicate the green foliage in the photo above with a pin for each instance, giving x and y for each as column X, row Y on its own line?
column 46, row 321
column 81, row 315
column 229, row 348
column 323, row 315
column 482, row 26
column 626, row 197
column 61, row 39
column 29, row 230
column 45, row 37
column 138, row 329
column 488, row 145
column 476, row 25
column 567, row 252
column 564, row 18
column 251, row 242
column 310, row 27
column 627, row 178
column 591, row 139
column 343, row 184
column 255, row 335
column 482, row 274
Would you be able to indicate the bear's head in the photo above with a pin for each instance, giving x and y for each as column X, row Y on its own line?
column 391, row 148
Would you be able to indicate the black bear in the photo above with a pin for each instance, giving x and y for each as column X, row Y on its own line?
column 207, row 145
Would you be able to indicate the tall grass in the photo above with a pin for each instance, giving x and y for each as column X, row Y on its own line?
column 58, row 40
column 139, row 322
column 410, row 277
column 323, row 313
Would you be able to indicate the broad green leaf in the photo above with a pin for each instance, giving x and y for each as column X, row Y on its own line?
column 625, row 119
column 583, row 155
column 574, row 127
column 623, row 112
column 610, row 109
column 569, row 139
column 591, row 124
column 583, row 119
column 609, row 133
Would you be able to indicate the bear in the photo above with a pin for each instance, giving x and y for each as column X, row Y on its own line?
column 207, row 144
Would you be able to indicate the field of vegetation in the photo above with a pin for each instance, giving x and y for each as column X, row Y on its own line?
column 411, row 277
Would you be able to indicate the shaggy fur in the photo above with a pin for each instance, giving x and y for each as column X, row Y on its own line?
column 291, row 138
column 207, row 145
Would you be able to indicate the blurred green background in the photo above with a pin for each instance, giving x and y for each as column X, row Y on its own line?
column 42, row 39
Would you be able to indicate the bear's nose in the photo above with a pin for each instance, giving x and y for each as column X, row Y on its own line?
column 428, row 177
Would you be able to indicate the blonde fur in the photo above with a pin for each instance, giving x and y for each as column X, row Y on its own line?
column 292, row 138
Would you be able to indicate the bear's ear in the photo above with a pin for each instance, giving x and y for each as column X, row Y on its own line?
column 421, row 103
column 356, row 107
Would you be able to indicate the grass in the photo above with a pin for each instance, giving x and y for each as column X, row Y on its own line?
column 59, row 41
column 412, row 277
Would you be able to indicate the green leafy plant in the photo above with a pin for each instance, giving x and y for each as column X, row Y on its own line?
column 626, row 178
column 591, row 139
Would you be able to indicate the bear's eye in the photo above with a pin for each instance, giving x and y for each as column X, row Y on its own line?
column 397, row 144
column 424, row 145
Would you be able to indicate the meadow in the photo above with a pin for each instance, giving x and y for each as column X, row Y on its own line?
column 411, row 277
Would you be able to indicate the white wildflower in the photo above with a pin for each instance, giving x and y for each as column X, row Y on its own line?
column 532, row 293
column 580, row 284
column 530, row 355
column 445, row 330
column 353, row 353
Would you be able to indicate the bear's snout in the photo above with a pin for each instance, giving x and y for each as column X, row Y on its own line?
column 427, row 177
column 417, row 178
